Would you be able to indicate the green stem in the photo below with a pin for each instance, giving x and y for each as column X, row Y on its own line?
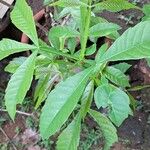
column 85, row 29
column 50, row 50
column 62, row 43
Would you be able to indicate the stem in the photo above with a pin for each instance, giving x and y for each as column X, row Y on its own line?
column 62, row 43
column 50, row 50
column 85, row 30
column 19, row 112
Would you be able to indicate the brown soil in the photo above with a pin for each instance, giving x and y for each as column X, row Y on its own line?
column 10, row 128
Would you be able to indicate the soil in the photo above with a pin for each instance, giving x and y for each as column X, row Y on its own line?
column 134, row 133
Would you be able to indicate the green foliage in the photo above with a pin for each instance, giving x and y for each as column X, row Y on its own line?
column 116, row 76
column 19, row 84
column 67, row 80
column 70, row 135
column 123, row 67
column 60, row 106
column 114, row 5
column 41, row 89
column 22, row 18
column 146, row 11
column 108, row 130
column 67, row 3
column 58, row 35
column 115, row 99
column 8, row 47
column 133, row 44
column 87, row 98
column 103, row 29
column 89, row 137
column 101, row 52
column 90, row 50
column 14, row 64
column 48, row 1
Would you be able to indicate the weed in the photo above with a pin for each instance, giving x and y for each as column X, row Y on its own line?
column 79, row 80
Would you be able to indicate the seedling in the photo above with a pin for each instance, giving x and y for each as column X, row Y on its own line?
column 79, row 80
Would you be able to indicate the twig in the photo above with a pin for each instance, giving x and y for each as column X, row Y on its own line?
column 65, row 20
column 5, row 134
column 19, row 112
column 41, row 28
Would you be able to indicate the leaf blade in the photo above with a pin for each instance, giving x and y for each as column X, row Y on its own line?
column 66, row 3
column 114, row 5
column 8, row 47
column 123, row 67
column 109, row 131
column 133, row 44
column 57, row 105
column 116, row 100
column 70, row 135
column 117, row 77
column 19, row 85
column 22, row 18
column 103, row 29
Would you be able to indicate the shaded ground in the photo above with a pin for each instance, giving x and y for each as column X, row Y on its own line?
column 135, row 131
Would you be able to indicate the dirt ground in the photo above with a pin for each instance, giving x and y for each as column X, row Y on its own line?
column 134, row 133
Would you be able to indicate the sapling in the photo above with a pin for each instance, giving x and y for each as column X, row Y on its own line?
column 68, row 82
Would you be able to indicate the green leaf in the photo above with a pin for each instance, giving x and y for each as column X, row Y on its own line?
column 61, row 102
column 138, row 88
column 40, row 89
column 43, row 88
column 42, row 70
column 96, row 19
column 48, row 51
column 114, row 5
column 148, row 61
column 146, row 11
column 133, row 102
column 22, row 18
column 47, row 1
column 43, row 44
column 101, row 52
column 107, row 128
column 70, row 135
column 8, row 47
column 117, row 77
column 123, row 67
column 15, row 64
column 74, row 12
column 64, row 31
column 58, row 32
column 87, row 98
column 72, row 45
column 103, row 29
column 19, row 84
column 91, row 50
column 133, row 44
column 68, row 3
column 83, row 15
column 116, row 100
